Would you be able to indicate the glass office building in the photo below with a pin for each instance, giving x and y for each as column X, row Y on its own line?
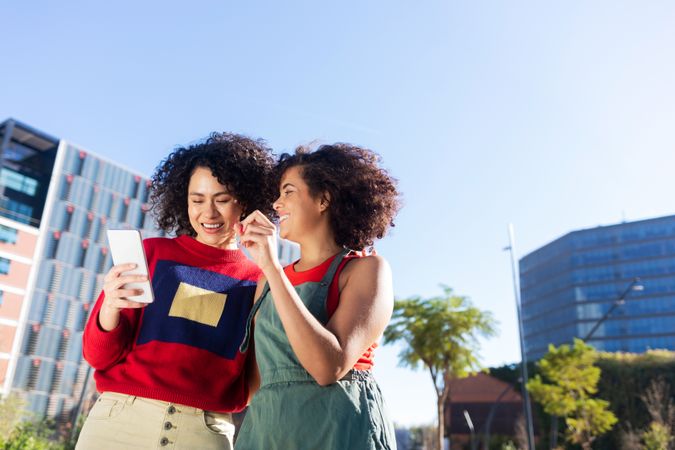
column 568, row 285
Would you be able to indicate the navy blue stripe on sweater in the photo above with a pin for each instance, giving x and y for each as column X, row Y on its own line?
column 180, row 286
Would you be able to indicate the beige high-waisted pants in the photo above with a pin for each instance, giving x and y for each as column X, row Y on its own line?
column 119, row 421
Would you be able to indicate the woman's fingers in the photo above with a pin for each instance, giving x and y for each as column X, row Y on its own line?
column 120, row 303
column 125, row 279
column 115, row 271
column 256, row 217
column 257, row 234
column 258, row 229
column 254, row 238
column 125, row 293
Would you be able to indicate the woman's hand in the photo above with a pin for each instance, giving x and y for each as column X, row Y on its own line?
column 259, row 236
column 116, row 296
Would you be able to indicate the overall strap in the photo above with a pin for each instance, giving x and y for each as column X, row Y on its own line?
column 330, row 273
column 321, row 294
column 256, row 306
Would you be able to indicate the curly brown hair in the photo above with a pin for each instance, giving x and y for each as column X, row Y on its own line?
column 363, row 196
column 243, row 165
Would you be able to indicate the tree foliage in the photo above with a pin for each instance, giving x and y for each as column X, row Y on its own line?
column 11, row 412
column 566, row 385
column 624, row 380
column 20, row 430
column 440, row 333
column 661, row 408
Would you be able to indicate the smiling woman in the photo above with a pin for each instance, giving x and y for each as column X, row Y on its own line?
column 170, row 372
column 212, row 210
column 242, row 175
column 318, row 320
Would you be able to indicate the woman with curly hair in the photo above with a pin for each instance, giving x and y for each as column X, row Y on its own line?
column 318, row 320
column 170, row 372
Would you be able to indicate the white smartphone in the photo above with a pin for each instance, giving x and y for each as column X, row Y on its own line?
column 126, row 247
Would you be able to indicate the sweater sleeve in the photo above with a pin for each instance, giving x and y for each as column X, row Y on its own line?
column 103, row 349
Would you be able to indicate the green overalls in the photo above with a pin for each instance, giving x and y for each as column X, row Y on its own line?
column 291, row 411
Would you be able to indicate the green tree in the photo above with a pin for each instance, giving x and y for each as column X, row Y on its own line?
column 569, row 381
column 11, row 412
column 441, row 333
column 661, row 408
column 32, row 435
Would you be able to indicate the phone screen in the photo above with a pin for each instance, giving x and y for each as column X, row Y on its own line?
column 126, row 247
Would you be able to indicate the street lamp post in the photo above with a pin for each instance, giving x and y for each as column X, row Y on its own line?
column 469, row 422
column 634, row 285
column 523, row 355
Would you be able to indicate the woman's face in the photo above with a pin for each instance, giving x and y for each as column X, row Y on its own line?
column 299, row 212
column 212, row 210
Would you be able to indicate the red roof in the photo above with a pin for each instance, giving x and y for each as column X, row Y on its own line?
column 482, row 388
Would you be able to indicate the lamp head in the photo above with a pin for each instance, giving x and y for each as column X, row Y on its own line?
column 637, row 285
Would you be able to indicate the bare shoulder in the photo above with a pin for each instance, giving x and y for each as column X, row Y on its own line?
column 368, row 269
column 367, row 264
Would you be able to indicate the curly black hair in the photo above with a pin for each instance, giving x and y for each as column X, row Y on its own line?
column 363, row 196
column 243, row 165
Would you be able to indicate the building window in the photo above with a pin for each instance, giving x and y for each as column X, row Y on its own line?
column 124, row 210
column 18, row 182
column 65, row 187
column 88, row 224
column 83, row 252
column 4, row 266
column 80, row 163
column 69, row 217
column 8, row 235
column 146, row 192
column 17, row 210
column 102, row 257
column 54, row 247
column 137, row 186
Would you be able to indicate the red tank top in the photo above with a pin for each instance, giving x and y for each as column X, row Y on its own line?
column 315, row 274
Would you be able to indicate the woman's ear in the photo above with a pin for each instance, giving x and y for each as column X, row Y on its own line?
column 325, row 201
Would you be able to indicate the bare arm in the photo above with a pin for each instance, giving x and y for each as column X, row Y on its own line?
column 366, row 303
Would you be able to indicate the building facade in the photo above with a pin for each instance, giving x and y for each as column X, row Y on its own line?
column 568, row 285
column 56, row 202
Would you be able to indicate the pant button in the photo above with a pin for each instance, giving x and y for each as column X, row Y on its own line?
column 171, row 410
column 164, row 441
column 168, row 425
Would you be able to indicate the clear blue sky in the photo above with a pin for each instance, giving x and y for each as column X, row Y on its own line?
column 554, row 117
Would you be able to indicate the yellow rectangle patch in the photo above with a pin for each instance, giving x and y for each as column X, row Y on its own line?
column 197, row 304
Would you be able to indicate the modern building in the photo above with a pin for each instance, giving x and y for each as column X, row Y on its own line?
column 56, row 202
column 569, row 285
